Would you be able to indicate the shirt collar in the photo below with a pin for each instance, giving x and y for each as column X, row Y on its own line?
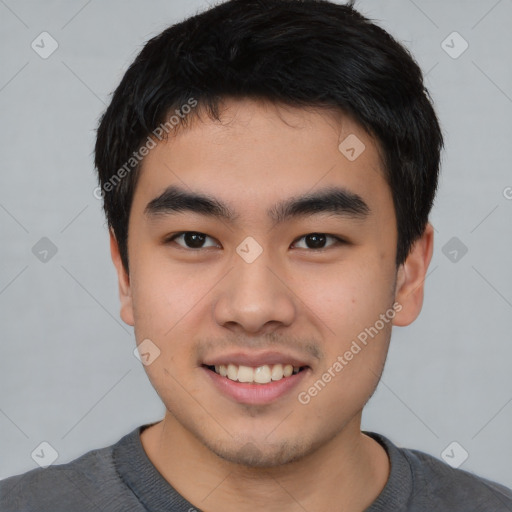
column 156, row 494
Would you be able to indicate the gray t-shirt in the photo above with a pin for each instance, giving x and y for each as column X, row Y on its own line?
column 121, row 478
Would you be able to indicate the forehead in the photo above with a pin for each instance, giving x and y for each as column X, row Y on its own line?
column 259, row 153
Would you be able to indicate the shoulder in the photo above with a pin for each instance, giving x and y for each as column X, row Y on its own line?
column 440, row 485
column 420, row 482
column 89, row 482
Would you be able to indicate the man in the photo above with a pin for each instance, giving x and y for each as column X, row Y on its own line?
column 267, row 170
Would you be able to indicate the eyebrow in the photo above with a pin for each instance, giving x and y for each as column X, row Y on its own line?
column 336, row 201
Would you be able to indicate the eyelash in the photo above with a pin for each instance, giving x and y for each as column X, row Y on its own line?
column 338, row 241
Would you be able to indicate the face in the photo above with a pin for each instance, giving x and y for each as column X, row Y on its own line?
column 258, row 247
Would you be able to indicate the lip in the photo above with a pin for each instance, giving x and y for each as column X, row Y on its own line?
column 255, row 394
column 255, row 359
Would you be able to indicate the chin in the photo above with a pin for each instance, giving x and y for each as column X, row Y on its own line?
column 254, row 455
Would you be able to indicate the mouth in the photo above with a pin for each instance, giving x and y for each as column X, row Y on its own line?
column 263, row 374
column 255, row 385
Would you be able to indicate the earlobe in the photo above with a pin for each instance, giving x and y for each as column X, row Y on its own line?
column 125, row 292
column 411, row 278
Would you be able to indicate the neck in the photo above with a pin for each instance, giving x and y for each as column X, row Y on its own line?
column 350, row 470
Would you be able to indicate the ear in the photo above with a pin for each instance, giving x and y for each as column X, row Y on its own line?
column 411, row 278
column 125, row 292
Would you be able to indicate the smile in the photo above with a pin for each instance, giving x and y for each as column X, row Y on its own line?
column 255, row 385
column 257, row 375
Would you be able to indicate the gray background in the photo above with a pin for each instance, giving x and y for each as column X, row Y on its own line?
column 68, row 373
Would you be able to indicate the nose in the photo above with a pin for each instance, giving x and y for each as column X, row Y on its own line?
column 254, row 298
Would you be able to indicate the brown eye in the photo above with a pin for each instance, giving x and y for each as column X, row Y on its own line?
column 318, row 241
column 191, row 240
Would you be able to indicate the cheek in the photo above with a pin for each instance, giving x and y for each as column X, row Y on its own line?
column 355, row 343
column 169, row 303
column 347, row 298
column 163, row 296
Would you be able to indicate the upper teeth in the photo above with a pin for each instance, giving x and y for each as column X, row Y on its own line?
column 261, row 375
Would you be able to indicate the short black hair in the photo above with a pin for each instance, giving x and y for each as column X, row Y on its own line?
column 301, row 53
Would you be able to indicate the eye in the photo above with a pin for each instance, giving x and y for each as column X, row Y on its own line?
column 196, row 240
column 191, row 239
column 318, row 241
